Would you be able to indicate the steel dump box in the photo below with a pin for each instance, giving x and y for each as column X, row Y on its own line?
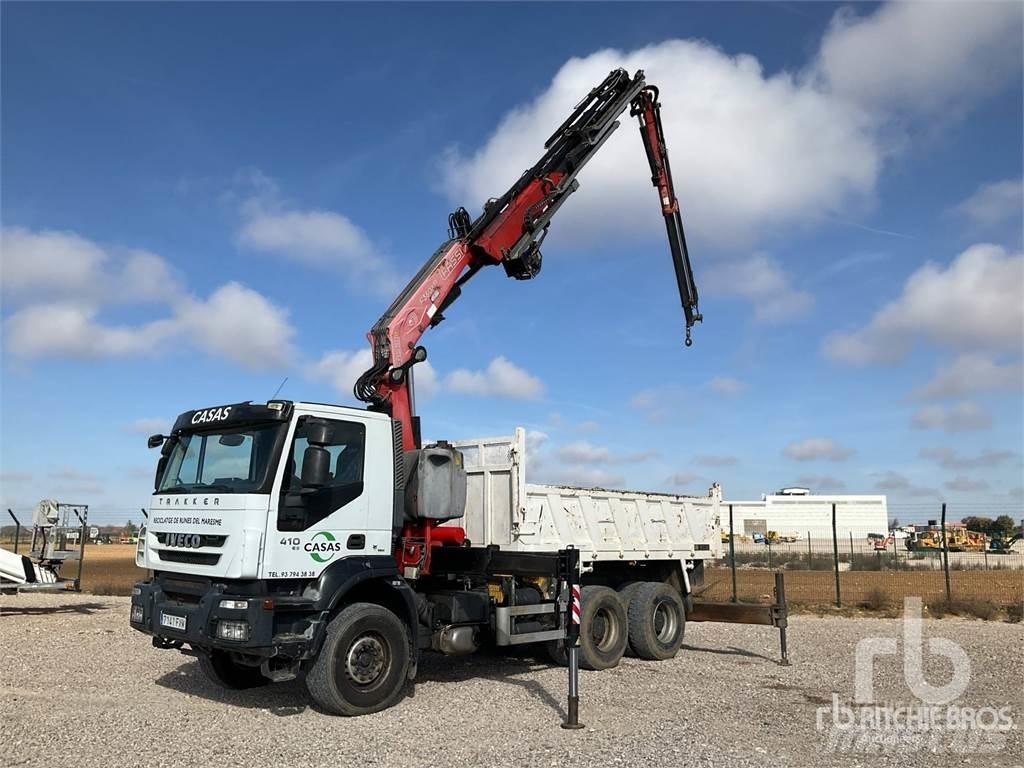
column 503, row 509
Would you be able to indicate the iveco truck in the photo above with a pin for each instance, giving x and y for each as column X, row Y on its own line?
column 271, row 539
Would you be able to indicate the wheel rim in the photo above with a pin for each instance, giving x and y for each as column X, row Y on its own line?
column 666, row 622
column 367, row 660
column 604, row 630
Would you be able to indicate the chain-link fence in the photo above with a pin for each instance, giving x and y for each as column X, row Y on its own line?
column 944, row 562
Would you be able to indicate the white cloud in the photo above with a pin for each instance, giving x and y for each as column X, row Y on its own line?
column 535, row 440
column 994, row 203
column 972, row 373
column 62, row 266
column 317, row 238
column 71, row 330
column 582, row 452
column 716, row 461
column 961, row 417
column 588, row 426
column 762, row 281
column 921, row 57
column 727, row 385
column 49, row 262
column 66, row 281
column 683, row 478
column 816, row 448
column 659, row 404
column 892, row 481
column 340, row 368
column 977, row 302
column 501, row 378
column 964, row 484
column 751, row 152
column 950, row 459
column 239, row 324
column 149, row 426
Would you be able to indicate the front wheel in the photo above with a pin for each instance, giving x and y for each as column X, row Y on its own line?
column 363, row 666
column 221, row 669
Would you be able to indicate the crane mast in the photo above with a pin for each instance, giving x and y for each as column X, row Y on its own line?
column 510, row 231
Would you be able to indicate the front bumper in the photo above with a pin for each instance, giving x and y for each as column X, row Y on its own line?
column 272, row 631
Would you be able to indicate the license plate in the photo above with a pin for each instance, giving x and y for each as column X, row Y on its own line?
column 173, row 622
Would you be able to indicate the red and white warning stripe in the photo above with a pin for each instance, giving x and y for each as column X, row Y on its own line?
column 575, row 604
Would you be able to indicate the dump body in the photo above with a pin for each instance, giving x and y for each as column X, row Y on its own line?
column 502, row 508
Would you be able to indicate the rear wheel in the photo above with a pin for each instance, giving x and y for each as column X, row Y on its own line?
column 657, row 621
column 221, row 669
column 364, row 663
column 603, row 630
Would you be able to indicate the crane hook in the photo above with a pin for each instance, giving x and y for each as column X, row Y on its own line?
column 689, row 341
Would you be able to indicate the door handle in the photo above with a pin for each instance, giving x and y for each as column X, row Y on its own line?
column 356, row 541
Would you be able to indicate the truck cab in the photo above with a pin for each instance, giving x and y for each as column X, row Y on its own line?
column 273, row 539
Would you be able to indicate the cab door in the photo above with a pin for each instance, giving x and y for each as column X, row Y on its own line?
column 312, row 526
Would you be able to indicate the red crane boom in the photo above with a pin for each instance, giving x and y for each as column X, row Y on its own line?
column 510, row 231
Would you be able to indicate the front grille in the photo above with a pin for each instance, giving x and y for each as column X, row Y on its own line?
column 205, row 539
column 189, row 556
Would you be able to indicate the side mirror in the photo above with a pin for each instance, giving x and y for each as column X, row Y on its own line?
column 316, row 467
column 318, row 432
column 155, row 441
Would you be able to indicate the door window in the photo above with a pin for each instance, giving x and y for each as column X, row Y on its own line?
column 301, row 507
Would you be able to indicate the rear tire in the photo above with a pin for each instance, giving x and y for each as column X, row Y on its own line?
column 657, row 621
column 363, row 666
column 604, row 632
column 221, row 669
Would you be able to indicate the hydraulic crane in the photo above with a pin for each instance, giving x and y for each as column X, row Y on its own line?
column 510, row 231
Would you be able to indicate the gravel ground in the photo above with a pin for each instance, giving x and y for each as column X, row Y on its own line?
column 78, row 687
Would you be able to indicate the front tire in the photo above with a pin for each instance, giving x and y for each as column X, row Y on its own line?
column 221, row 669
column 363, row 666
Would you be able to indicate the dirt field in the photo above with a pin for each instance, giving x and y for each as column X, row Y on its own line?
column 109, row 569
column 1003, row 587
column 80, row 687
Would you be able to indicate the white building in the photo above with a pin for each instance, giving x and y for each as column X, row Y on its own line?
column 797, row 510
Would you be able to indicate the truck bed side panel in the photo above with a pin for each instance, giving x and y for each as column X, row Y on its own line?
column 502, row 509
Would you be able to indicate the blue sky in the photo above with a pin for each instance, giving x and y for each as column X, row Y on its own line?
column 199, row 201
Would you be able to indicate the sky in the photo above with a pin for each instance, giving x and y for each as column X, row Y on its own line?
column 202, row 201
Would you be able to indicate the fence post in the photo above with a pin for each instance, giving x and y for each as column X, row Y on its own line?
column 17, row 529
column 810, row 555
column 769, row 543
column 895, row 555
column 851, row 550
column 835, row 555
column 732, row 555
column 945, row 554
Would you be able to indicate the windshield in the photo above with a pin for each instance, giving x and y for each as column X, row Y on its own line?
column 232, row 460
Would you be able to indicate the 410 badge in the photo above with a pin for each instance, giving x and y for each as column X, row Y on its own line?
column 321, row 547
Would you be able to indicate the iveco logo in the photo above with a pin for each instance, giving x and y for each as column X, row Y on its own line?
column 193, row 540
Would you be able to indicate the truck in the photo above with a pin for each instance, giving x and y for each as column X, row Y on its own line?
column 292, row 539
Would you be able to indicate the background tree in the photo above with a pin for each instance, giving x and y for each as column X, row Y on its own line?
column 1003, row 527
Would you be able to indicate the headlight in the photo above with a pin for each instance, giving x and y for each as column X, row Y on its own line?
column 234, row 605
column 136, row 614
column 233, row 630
